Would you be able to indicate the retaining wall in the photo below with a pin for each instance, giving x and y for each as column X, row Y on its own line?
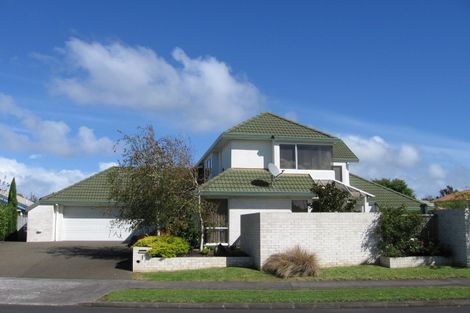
column 142, row 262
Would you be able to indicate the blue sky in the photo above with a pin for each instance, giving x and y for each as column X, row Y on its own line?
column 391, row 78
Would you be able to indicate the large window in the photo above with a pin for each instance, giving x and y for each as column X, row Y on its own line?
column 287, row 156
column 306, row 157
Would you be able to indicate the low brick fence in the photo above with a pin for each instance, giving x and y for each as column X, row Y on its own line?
column 142, row 262
column 335, row 238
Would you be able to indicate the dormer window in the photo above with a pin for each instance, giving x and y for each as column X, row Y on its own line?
column 306, row 157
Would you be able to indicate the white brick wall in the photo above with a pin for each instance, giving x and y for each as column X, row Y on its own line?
column 142, row 262
column 240, row 206
column 335, row 238
column 41, row 224
column 454, row 233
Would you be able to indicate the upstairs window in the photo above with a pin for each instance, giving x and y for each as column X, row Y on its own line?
column 287, row 156
column 338, row 172
column 306, row 157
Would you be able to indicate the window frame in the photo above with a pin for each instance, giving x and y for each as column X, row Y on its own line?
column 296, row 155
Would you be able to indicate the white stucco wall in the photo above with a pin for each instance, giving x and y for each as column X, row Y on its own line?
column 41, row 224
column 239, row 206
column 335, row 238
column 251, row 154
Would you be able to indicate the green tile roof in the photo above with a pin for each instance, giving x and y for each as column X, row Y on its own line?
column 256, row 182
column 384, row 197
column 266, row 125
column 92, row 190
column 232, row 182
column 273, row 125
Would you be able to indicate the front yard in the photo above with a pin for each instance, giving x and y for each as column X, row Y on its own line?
column 361, row 272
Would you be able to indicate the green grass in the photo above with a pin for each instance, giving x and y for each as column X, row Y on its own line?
column 361, row 272
column 332, row 295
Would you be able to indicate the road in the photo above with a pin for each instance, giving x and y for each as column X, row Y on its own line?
column 78, row 309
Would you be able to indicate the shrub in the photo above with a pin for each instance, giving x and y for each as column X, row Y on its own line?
column 400, row 234
column 293, row 262
column 164, row 246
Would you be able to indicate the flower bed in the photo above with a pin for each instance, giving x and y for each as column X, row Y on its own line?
column 143, row 262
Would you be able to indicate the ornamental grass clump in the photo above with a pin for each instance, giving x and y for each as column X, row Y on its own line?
column 294, row 262
column 164, row 246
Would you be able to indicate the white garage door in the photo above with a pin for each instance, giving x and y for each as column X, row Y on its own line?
column 92, row 224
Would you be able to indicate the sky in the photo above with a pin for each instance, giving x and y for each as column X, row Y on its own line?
column 391, row 78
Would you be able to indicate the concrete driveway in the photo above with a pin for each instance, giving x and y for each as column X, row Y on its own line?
column 73, row 260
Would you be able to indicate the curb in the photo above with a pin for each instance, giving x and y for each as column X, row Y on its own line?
column 283, row 305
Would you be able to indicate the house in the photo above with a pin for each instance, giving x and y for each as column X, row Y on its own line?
column 23, row 204
column 236, row 178
column 459, row 199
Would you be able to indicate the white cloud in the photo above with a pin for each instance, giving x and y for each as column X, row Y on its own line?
column 437, row 171
column 46, row 136
column 37, row 180
column 408, row 155
column 198, row 93
column 105, row 165
column 378, row 158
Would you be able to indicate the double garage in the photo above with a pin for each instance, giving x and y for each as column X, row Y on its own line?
column 75, row 223
column 80, row 212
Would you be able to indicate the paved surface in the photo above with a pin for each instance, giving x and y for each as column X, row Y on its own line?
column 76, row 260
column 77, row 309
column 78, row 291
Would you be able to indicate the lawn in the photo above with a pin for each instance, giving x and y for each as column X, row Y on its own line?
column 332, row 295
column 361, row 272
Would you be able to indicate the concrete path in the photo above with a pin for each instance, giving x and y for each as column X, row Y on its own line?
column 77, row 291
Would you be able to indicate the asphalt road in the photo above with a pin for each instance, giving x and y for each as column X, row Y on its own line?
column 77, row 309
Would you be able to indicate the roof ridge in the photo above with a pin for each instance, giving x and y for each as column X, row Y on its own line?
column 282, row 118
column 244, row 122
column 300, row 124
column 75, row 184
column 386, row 188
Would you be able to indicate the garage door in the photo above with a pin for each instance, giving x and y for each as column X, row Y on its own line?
column 92, row 224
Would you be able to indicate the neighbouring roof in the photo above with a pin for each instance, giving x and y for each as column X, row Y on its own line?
column 459, row 195
column 92, row 190
column 23, row 203
column 384, row 197
column 267, row 126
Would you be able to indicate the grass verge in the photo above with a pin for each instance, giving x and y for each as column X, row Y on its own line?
column 258, row 296
column 361, row 272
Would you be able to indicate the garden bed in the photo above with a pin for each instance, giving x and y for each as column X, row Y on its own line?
column 414, row 261
column 142, row 262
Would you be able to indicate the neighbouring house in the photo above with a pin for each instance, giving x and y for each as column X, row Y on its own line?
column 23, row 204
column 459, row 199
column 235, row 176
